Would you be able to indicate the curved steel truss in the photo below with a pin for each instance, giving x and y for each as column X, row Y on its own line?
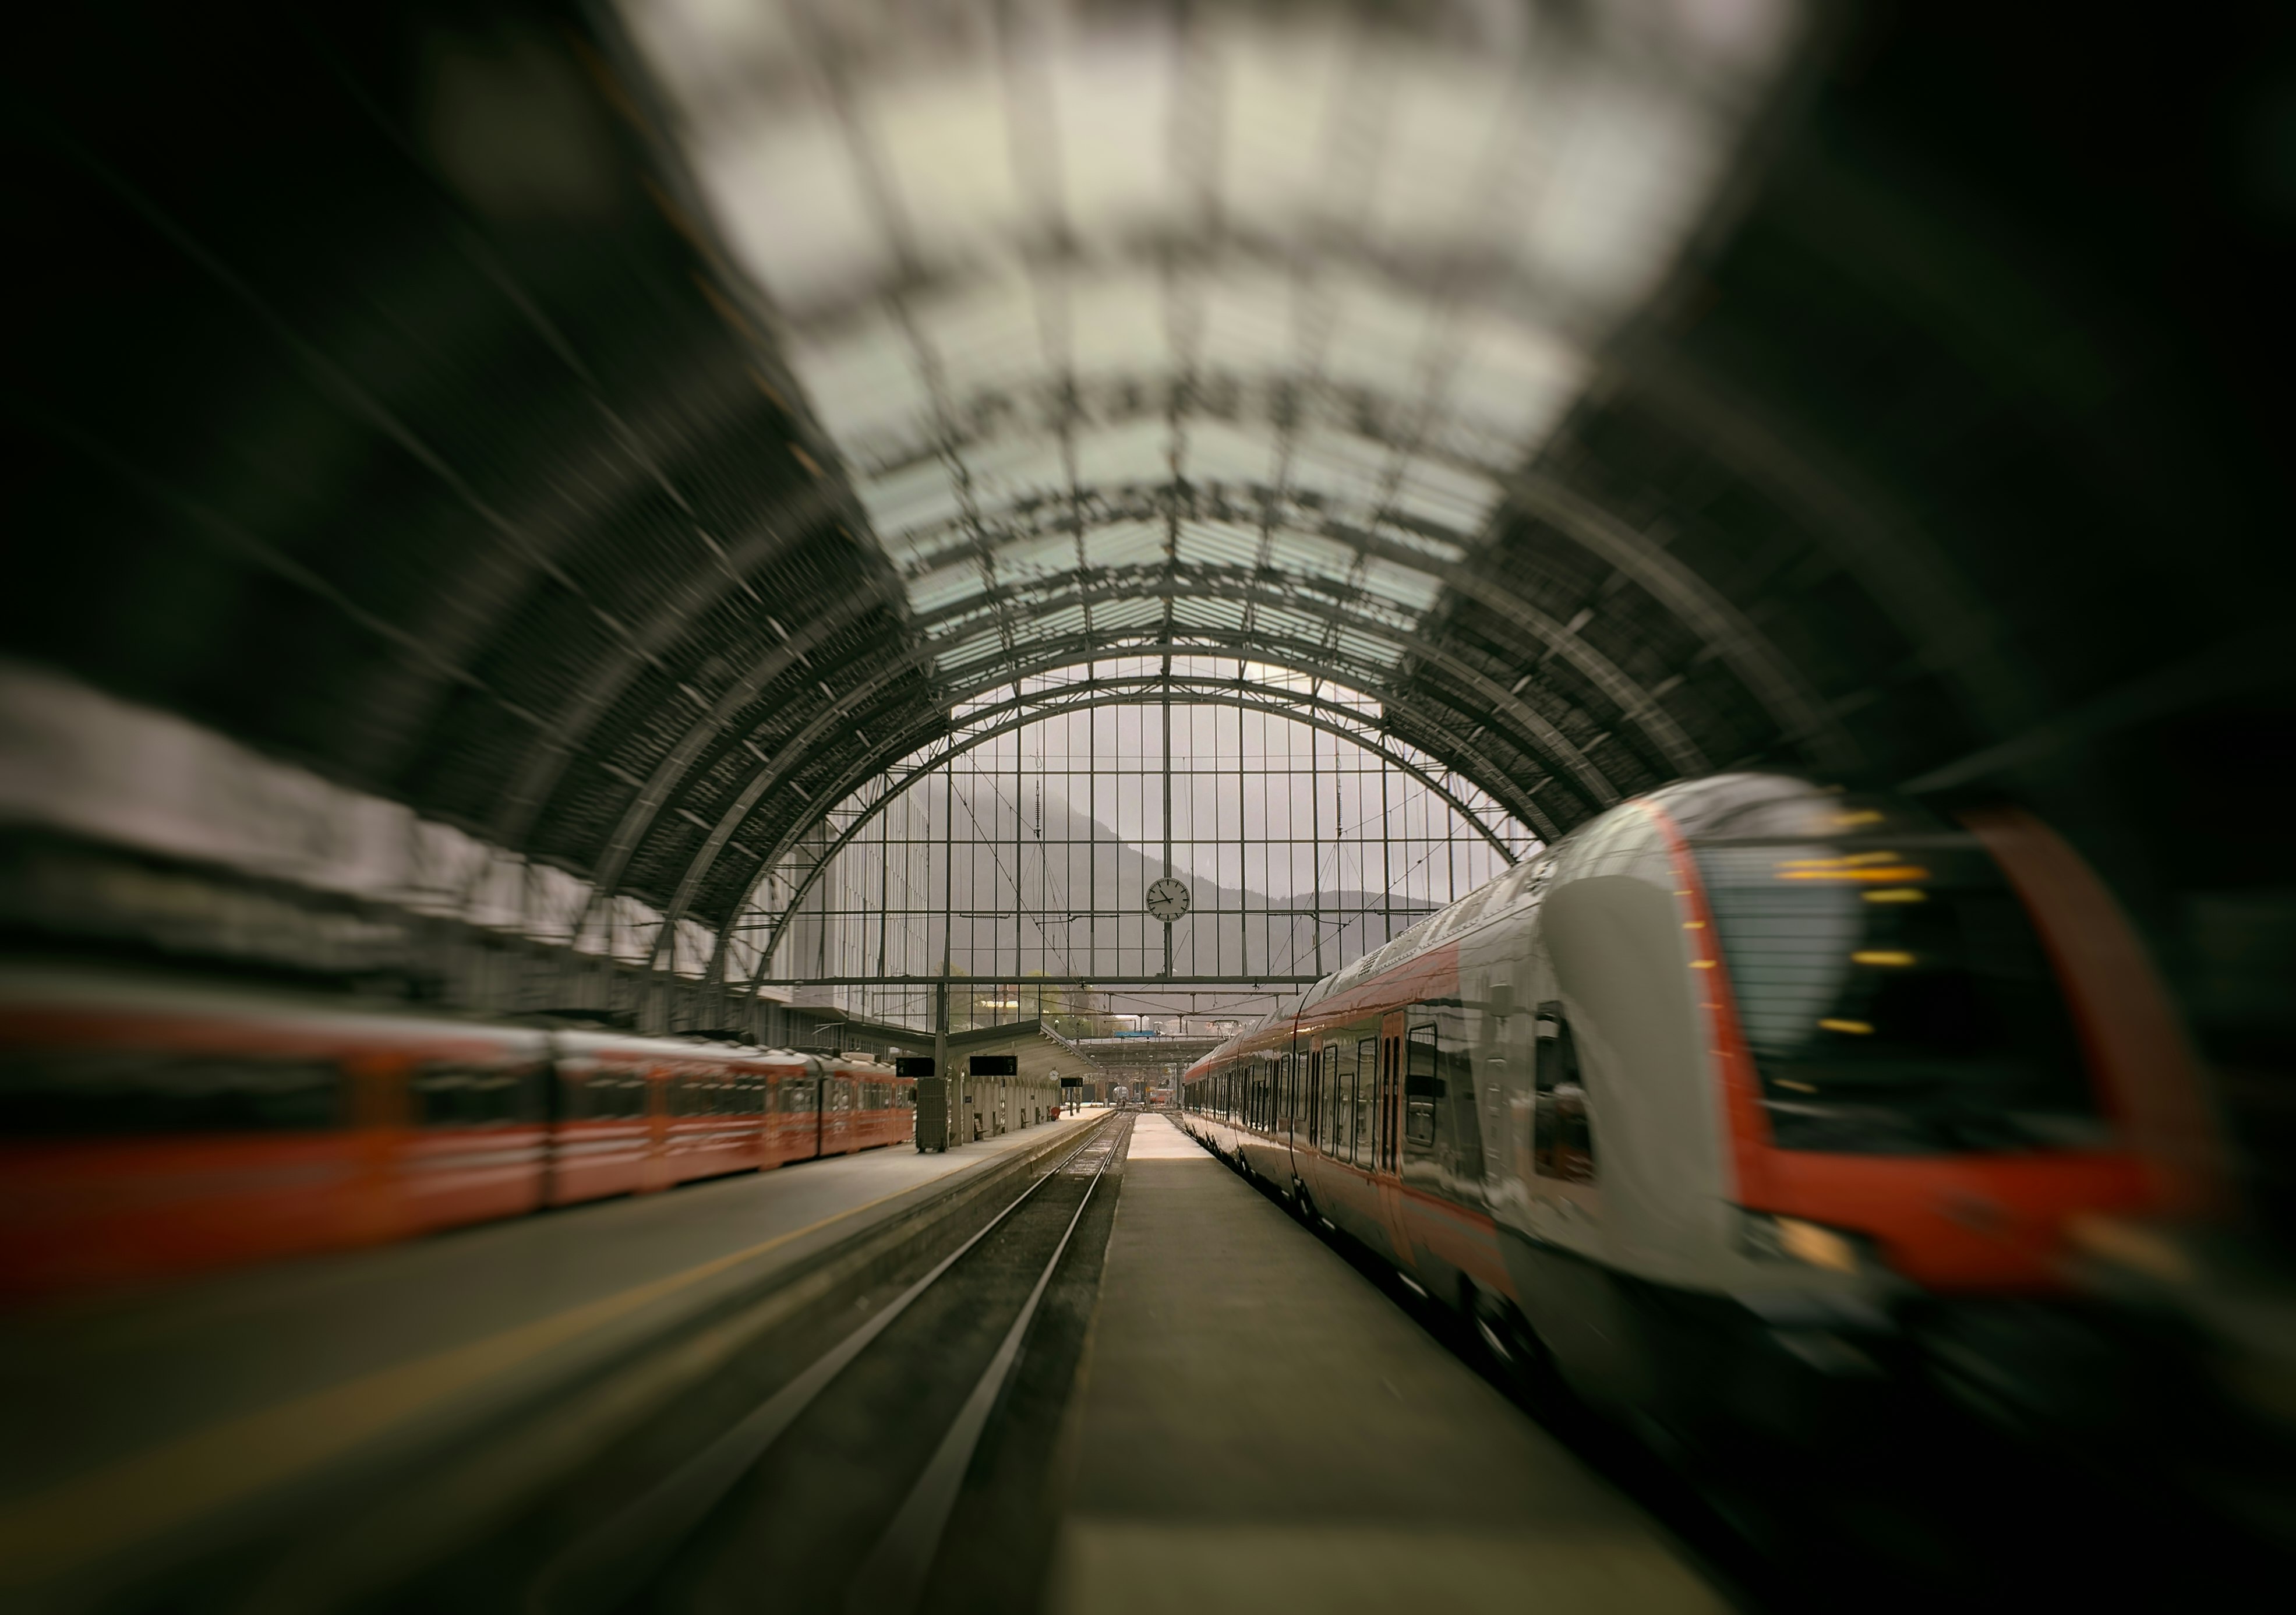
column 796, row 867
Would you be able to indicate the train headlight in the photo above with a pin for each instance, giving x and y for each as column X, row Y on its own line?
column 1790, row 1239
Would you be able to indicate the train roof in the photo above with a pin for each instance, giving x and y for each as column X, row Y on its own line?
column 1721, row 808
column 29, row 983
column 127, row 991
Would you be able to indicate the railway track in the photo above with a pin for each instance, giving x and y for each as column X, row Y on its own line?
column 835, row 1491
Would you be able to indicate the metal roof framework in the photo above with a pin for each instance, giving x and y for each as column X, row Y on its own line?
column 1194, row 332
column 793, row 867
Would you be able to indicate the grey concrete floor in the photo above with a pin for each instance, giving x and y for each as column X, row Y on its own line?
column 1259, row 1427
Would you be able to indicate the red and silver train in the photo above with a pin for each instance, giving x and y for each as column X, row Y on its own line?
column 1743, row 1092
column 153, row 1128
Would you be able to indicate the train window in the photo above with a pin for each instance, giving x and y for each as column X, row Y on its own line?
column 1422, row 1087
column 467, row 1096
column 1334, row 1061
column 66, row 1092
column 611, row 1096
column 1562, row 1135
column 1390, row 1101
column 1366, row 1093
column 1895, row 1000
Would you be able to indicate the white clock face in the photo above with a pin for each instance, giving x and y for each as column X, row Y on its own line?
column 1168, row 899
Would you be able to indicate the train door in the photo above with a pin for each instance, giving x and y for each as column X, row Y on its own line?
column 1312, row 1127
column 809, row 1098
column 1387, row 1140
column 837, row 1113
column 1326, row 1180
column 658, row 1173
column 1566, row 1204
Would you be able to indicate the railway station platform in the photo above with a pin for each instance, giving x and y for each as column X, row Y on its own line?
column 146, row 1424
column 1258, row 1427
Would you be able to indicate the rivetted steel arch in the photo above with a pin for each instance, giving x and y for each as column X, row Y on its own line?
column 1207, row 501
column 1259, row 647
column 1025, row 714
column 671, row 772
column 1703, row 609
column 1059, row 513
column 1484, row 773
column 1156, row 583
column 1309, row 599
column 775, row 533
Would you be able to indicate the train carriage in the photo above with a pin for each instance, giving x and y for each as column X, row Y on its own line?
column 149, row 1127
column 1718, row 1100
column 152, row 1128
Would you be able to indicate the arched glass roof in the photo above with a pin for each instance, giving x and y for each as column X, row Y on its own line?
column 1181, row 331
column 1252, row 311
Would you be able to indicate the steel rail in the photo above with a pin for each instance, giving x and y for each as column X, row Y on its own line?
column 893, row 1576
column 609, row 1565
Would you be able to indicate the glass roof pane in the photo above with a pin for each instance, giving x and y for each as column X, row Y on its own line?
column 1281, row 85
column 1209, row 616
column 791, row 163
column 1445, row 496
column 971, row 614
column 1066, row 622
column 1116, row 322
column 979, row 642
column 1122, row 543
column 1414, row 592
column 1368, row 648
column 946, row 153
column 1039, row 556
column 1432, row 547
column 705, row 50
column 1311, row 555
column 1379, row 336
column 945, row 586
column 1006, row 472
column 1118, row 615
column 1511, row 380
column 1279, row 621
column 1348, row 470
column 1220, row 451
column 917, row 498
column 864, row 383
column 1247, row 312
column 985, row 337
column 1112, row 103
column 1219, row 544
column 1134, row 452
column 1444, row 116
column 1624, row 187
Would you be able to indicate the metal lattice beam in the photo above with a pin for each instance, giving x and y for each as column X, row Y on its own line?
column 1037, row 708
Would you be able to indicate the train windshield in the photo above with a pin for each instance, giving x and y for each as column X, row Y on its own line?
column 1895, row 999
